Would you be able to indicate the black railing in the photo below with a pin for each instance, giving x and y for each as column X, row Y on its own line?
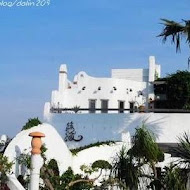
column 109, row 110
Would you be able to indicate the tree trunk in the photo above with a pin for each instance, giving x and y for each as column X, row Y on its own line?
column 154, row 169
column 188, row 181
column 46, row 180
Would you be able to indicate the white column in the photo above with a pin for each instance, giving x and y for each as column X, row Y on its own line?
column 152, row 68
column 47, row 114
column 63, row 83
column 36, row 160
column 126, row 138
column 150, row 86
column 37, row 163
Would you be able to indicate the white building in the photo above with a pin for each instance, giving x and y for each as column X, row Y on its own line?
column 126, row 89
column 96, row 97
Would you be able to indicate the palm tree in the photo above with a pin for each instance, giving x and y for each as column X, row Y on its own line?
column 126, row 171
column 173, row 178
column 145, row 148
column 183, row 149
column 176, row 31
column 128, row 167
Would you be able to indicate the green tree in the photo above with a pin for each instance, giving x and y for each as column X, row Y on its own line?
column 128, row 167
column 126, row 171
column 183, row 150
column 52, row 180
column 145, row 148
column 101, row 164
column 182, row 173
column 31, row 123
column 5, row 168
column 177, row 91
column 173, row 178
column 71, row 181
column 85, row 181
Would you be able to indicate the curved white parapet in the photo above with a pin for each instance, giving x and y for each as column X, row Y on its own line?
column 102, row 152
column 56, row 148
column 14, row 184
column 47, row 108
column 90, row 155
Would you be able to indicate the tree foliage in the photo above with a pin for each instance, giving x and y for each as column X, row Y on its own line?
column 128, row 167
column 174, row 178
column 5, row 168
column 96, row 144
column 183, row 149
column 31, row 123
column 126, row 170
column 53, row 181
column 101, row 164
column 177, row 90
column 145, row 146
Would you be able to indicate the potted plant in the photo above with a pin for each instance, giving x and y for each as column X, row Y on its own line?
column 141, row 108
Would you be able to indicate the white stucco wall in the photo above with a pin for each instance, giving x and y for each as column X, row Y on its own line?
column 56, row 147
column 128, row 85
column 101, row 127
column 90, row 155
column 127, row 90
column 140, row 75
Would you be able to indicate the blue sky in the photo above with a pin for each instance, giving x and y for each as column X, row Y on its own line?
column 90, row 35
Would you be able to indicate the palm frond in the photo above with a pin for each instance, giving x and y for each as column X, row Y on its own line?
column 187, row 30
column 174, row 30
column 183, row 149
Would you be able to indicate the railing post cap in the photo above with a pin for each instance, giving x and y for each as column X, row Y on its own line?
column 36, row 142
column 37, row 134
